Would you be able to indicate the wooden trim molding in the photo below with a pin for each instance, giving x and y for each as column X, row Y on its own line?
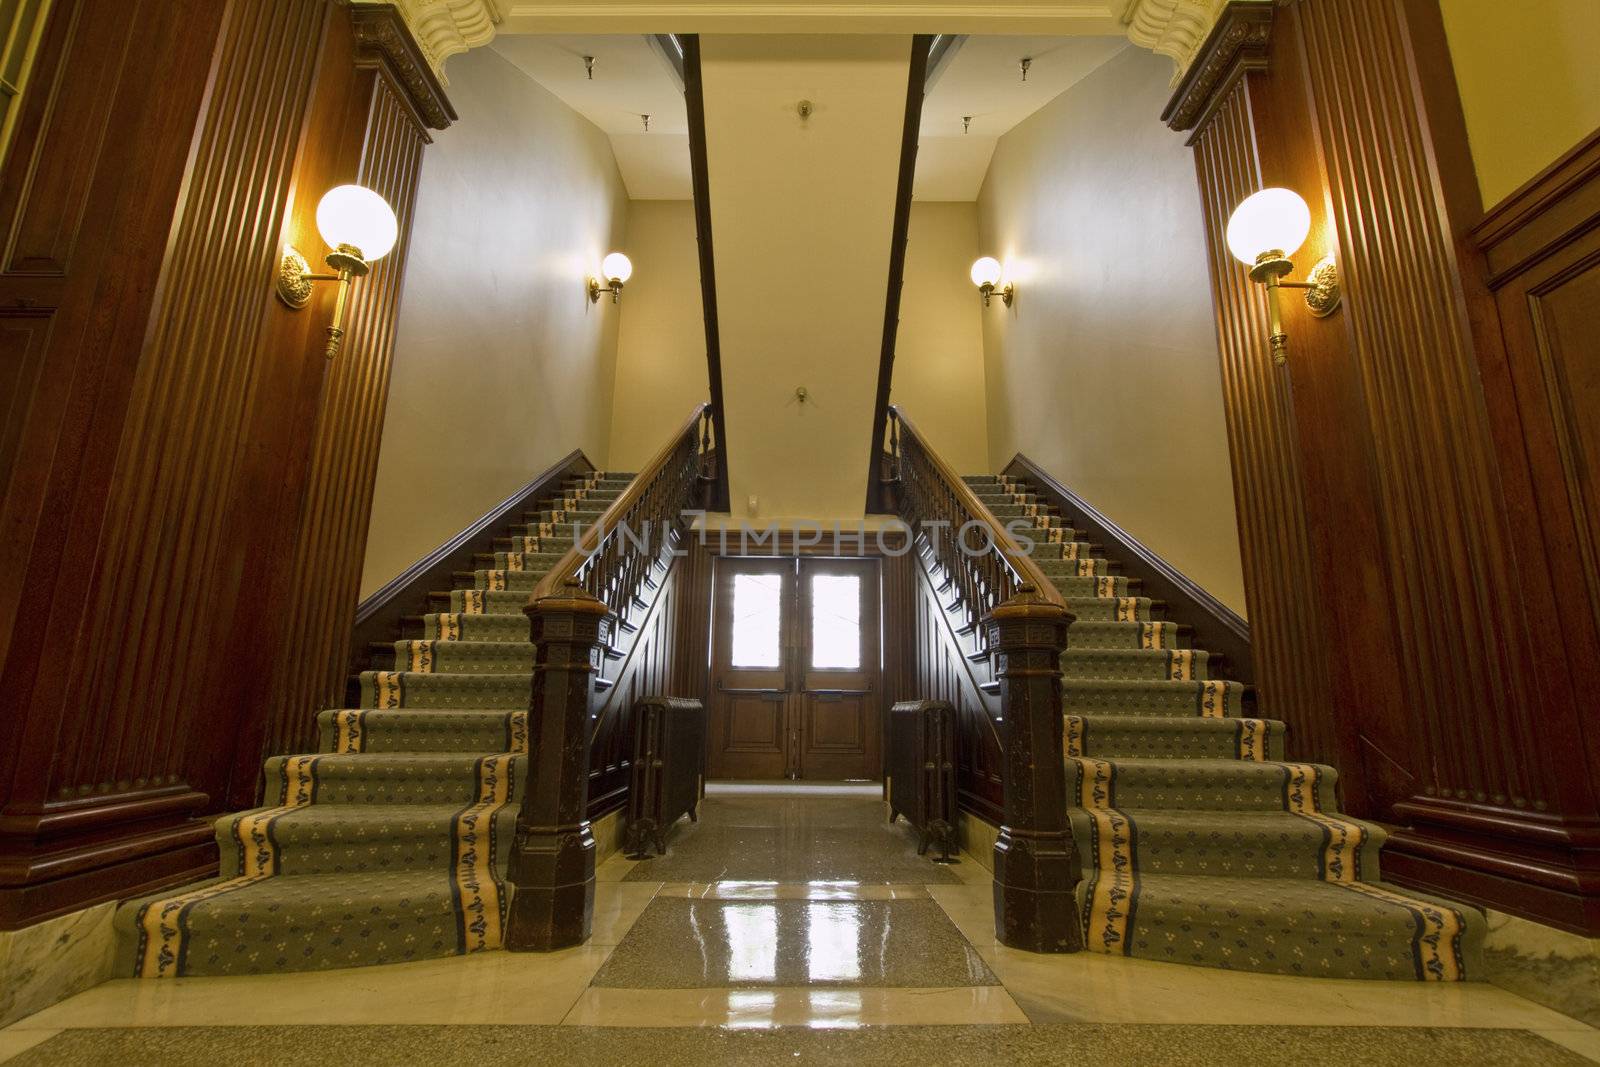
column 700, row 175
column 1555, row 208
column 386, row 30
column 1178, row 29
column 1236, row 46
column 916, row 89
column 378, row 617
column 1217, row 627
column 444, row 28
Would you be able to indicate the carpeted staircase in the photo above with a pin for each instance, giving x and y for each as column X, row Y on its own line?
column 1199, row 843
column 391, row 844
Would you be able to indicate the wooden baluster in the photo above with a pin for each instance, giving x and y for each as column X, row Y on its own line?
column 1035, row 864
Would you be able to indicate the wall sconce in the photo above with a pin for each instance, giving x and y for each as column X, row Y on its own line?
column 986, row 275
column 360, row 227
column 1265, row 230
column 617, row 269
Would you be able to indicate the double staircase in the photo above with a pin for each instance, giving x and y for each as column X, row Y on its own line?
column 1199, row 843
column 390, row 843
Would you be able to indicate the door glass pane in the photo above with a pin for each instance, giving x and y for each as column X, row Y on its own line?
column 836, row 622
column 757, row 614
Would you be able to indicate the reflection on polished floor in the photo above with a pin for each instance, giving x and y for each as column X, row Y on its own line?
column 792, row 925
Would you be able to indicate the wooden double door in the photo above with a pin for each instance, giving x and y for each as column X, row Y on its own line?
column 795, row 670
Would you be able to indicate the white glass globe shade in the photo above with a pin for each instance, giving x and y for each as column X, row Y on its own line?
column 1273, row 220
column 617, row 267
column 986, row 271
column 355, row 215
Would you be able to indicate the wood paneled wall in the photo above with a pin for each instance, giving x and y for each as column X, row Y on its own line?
column 926, row 659
column 186, row 478
column 1402, row 613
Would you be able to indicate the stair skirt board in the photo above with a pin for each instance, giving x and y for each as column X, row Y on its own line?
column 391, row 842
column 1198, row 843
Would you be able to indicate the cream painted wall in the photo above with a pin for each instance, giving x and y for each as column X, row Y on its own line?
column 802, row 212
column 502, row 365
column 661, row 341
column 1105, row 371
column 938, row 363
column 1529, row 74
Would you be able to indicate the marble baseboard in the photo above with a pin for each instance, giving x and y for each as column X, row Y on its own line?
column 607, row 831
column 1551, row 967
column 52, row 960
column 977, row 838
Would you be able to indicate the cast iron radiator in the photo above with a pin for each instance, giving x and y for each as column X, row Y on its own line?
column 669, row 744
column 922, row 772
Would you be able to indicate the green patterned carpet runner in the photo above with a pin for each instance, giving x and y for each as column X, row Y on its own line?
column 1199, row 843
column 391, row 843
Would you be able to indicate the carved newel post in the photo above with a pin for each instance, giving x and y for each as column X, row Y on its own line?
column 1035, row 865
column 552, row 859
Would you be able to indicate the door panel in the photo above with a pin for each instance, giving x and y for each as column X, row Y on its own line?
column 795, row 669
column 752, row 657
column 839, row 694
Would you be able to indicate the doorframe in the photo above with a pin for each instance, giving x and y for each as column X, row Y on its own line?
column 887, row 547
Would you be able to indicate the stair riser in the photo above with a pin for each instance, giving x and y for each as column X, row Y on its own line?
column 1255, row 740
column 1112, row 586
column 1379, row 941
column 402, row 844
column 1090, row 634
column 1179, row 665
column 511, row 627
column 397, row 689
column 1177, row 699
column 427, row 730
column 1109, row 609
column 483, row 602
column 463, row 657
column 1299, row 849
column 1179, row 784
column 379, row 779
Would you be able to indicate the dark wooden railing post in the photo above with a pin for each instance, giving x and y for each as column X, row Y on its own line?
column 552, row 861
column 1035, row 866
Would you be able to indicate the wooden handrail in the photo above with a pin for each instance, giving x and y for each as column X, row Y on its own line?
column 569, row 566
column 1024, row 570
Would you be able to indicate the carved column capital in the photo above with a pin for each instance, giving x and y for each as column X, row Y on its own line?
column 1236, row 45
column 1035, row 864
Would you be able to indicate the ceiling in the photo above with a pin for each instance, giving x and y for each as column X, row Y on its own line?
column 630, row 79
column 982, row 79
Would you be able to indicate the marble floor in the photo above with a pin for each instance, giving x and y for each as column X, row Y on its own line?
column 793, row 926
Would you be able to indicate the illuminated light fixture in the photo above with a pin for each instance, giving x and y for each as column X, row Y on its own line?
column 986, row 276
column 360, row 227
column 617, row 269
column 1265, row 230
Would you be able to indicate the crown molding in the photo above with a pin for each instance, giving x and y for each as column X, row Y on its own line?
column 383, row 36
column 1235, row 46
column 1176, row 29
column 442, row 28
column 1172, row 28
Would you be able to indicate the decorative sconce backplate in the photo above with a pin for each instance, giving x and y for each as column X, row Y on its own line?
column 1322, row 293
column 294, row 282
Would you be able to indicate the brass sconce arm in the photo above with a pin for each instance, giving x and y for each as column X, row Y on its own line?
column 1008, row 293
column 295, row 281
column 1322, row 294
column 614, row 288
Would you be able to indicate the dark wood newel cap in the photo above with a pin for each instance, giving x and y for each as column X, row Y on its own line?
column 1237, row 45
